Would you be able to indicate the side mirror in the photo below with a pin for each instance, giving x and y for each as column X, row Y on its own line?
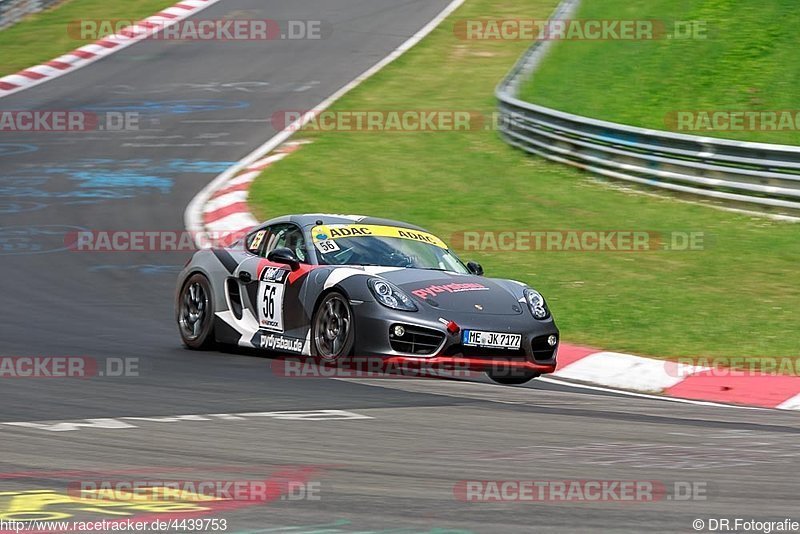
column 475, row 268
column 286, row 256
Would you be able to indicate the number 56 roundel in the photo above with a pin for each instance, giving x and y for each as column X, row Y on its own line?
column 270, row 298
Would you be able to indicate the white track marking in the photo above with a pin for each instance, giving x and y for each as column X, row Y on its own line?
column 68, row 426
column 791, row 404
column 513, row 394
column 125, row 422
column 645, row 395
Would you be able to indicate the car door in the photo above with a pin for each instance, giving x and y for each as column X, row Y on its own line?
column 273, row 299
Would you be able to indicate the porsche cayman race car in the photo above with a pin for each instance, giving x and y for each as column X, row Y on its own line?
column 334, row 287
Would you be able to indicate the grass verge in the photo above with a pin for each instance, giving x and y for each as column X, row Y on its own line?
column 748, row 61
column 738, row 297
column 43, row 36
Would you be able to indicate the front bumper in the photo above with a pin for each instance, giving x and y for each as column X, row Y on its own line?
column 374, row 324
column 456, row 364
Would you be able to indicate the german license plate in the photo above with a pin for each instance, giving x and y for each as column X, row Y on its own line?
column 499, row 340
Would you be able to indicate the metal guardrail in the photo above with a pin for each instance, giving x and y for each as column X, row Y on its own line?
column 11, row 11
column 764, row 176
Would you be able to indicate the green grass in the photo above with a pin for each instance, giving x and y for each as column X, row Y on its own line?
column 43, row 36
column 749, row 61
column 739, row 297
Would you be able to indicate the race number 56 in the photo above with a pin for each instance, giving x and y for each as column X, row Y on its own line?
column 269, row 302
column 271, row 309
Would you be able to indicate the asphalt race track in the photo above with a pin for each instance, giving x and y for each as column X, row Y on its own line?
column 391, row 454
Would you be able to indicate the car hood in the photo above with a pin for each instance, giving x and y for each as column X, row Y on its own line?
column 456, row 292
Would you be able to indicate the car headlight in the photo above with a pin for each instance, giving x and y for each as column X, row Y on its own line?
column 390, row 295
column 536, row 304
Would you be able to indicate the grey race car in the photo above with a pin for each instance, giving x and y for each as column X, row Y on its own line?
column 335, row 287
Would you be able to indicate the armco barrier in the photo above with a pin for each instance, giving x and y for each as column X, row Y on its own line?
column 11, row 11
column 758, row 175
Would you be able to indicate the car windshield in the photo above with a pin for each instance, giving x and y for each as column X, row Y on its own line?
column 385, row 246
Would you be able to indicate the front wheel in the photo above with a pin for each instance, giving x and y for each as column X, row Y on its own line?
column 196, row 313
column 512, row 377
column 333, row 334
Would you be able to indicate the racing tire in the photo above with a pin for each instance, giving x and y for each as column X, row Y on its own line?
column 512, row 378
column 196, row 313
column 332, row 328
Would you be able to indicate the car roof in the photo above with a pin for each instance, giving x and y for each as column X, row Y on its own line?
column 312, row 219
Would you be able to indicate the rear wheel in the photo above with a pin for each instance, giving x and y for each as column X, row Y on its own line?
column 512, row 377
column 332, row 334
column 196, row 313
